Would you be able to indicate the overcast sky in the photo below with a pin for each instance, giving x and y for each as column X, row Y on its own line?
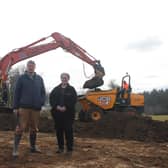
column 126, row 35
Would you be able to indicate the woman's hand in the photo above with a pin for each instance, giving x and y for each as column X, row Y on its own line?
column 61, row 108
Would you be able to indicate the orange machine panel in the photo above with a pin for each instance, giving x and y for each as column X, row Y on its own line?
column 137, row 99
column 103, row 99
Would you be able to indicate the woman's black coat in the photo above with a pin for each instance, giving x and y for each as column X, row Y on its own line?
column 68, row 97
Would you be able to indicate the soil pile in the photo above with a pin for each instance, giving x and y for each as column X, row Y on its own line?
column 7, row 121
column 113, row 125
column 124, row 126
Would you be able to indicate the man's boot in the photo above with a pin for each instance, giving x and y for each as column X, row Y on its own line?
column 33, row 147
column 17, row 139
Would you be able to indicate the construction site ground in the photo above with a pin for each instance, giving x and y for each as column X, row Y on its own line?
column 117, row 141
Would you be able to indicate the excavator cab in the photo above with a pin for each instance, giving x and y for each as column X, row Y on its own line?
column 4, row 102
column 3, row 93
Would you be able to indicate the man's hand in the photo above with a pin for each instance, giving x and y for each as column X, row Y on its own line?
column 58, row 108
column 16, row 112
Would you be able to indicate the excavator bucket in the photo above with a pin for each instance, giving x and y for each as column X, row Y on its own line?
column 93, row 83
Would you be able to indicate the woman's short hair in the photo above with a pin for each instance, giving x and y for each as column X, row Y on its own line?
column 65, row 74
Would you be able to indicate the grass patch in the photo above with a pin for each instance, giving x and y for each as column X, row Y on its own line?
column 160, row 117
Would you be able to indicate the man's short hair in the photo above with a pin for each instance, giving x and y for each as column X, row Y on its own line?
column 31, row 62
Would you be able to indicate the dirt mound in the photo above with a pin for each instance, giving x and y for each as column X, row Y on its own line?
column 7, row 122
column 113, row 125
column 123, row 126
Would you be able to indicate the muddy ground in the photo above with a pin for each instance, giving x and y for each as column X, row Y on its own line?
column 118, row 141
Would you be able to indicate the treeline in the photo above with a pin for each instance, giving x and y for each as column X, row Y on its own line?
column 156, row 102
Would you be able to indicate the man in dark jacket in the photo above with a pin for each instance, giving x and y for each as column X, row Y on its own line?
column 62, row 100
column 29, row 97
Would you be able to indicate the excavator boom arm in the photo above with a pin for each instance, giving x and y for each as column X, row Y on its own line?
column 22, row 54
column 35, row 49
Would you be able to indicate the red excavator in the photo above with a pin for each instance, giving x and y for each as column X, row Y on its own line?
column 34, row 49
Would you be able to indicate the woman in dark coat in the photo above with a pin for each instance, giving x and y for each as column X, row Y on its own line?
column 62, row 100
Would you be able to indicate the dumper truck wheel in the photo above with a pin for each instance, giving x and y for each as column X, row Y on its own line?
column 83, row 116
column 95, row 114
